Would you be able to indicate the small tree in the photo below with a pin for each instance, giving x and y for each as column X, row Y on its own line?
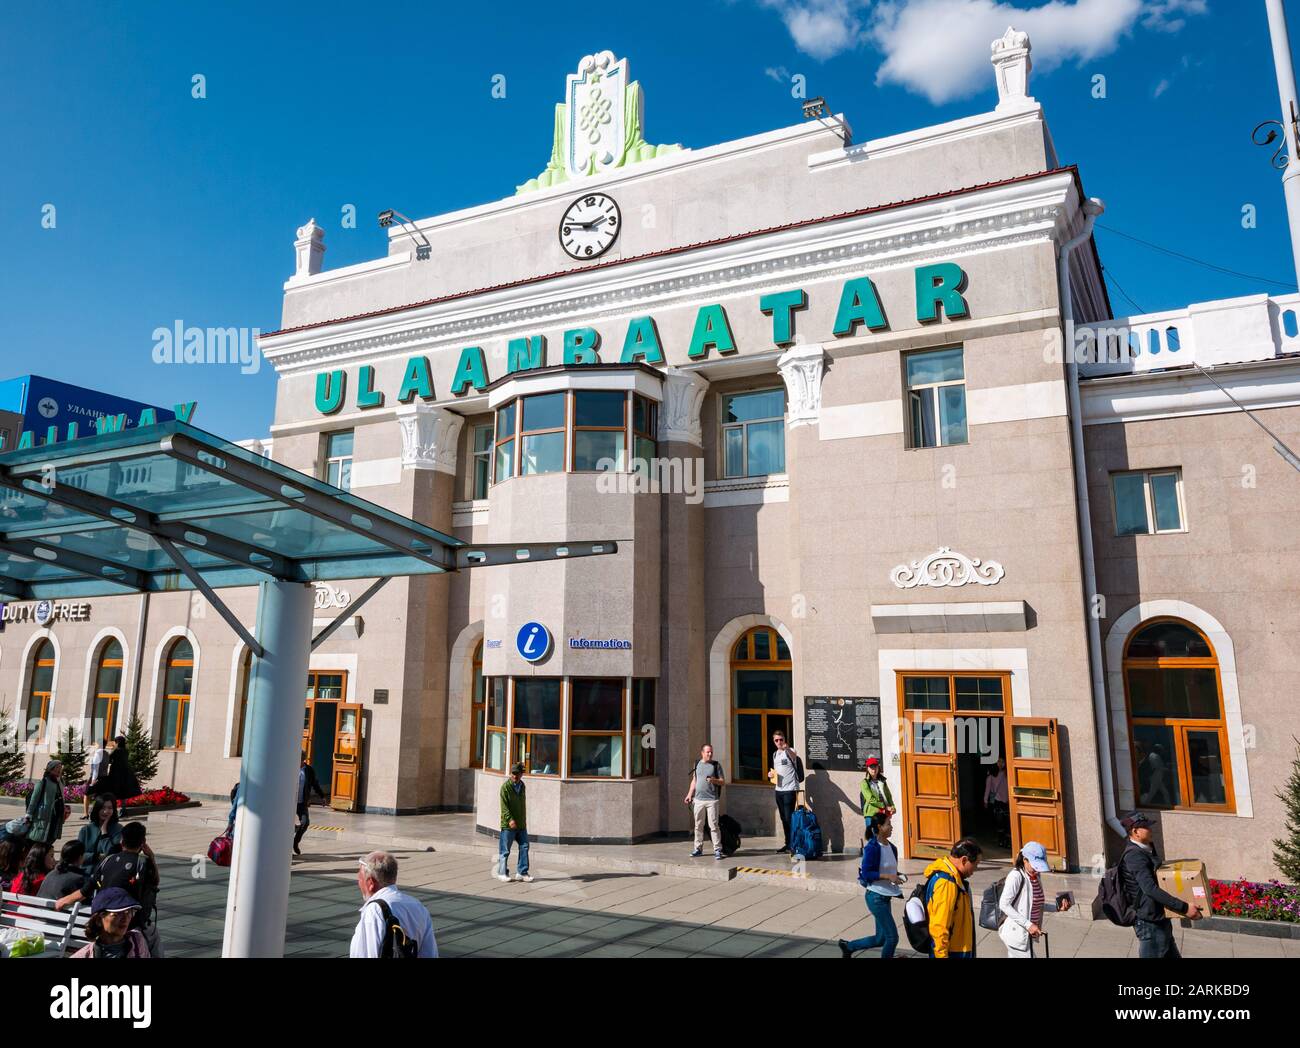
column 12, row 764
column 72, row 755
column 1287, row 849
column 140, row 752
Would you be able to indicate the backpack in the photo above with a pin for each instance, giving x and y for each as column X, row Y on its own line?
column 991, row 915
column 805, row 834
column 396, row 942
column 717, row 774
column 221, row 850
column 916, row 913
column 1111, row 902
column 730, row 830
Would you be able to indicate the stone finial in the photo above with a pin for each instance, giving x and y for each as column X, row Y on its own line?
column 1012, row 64
column 309, row 249
column 801, row 369
column 429, row 437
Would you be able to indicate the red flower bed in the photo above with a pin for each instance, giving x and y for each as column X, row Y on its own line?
column 1273, row 901
column 156, row 798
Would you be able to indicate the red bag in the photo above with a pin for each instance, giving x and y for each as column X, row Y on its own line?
column 221, row 849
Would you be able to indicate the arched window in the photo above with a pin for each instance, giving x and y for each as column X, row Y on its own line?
column 478, row 705
column 40, row 691
column 761, row 701
column 1176, row 722
column 108, row 692
column 178, row 685
column 245, row 672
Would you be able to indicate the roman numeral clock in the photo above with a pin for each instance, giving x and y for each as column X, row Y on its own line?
column 590, row 226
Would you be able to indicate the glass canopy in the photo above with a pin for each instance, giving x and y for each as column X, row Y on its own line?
column 107, row 514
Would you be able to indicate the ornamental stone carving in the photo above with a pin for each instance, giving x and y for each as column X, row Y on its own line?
column 679, row 414
column 801, row 368
column 309, row 249
column 328, row 596
column 429, row 437
column 946, row 568
column 1011, row 65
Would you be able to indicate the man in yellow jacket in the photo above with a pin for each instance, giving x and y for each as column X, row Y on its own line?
column 948, row 900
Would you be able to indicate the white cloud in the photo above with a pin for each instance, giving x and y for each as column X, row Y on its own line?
column 778, row 73
column 1161, row 88
column 940, row 48
column 1167, row 15
column 822, row 28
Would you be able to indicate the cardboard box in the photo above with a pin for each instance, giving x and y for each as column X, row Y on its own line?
column 1187, row 879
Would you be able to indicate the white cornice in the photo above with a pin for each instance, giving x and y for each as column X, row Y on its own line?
column 982, row 220
column 1171, row 394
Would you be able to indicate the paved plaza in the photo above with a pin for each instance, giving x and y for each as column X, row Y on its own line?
column 642, row 901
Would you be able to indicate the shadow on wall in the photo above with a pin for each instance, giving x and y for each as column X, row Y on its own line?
column 828, row 804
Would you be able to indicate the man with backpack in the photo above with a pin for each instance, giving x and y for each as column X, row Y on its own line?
column 949, row 915
column 392, row 924
column 133, row 869
column 786, row 775
column 1142, row 892
column 704, row 792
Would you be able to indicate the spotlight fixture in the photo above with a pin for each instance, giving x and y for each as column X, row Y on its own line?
column 423, row 249
column 816, row 109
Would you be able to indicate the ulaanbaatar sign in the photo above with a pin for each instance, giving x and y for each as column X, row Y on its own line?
column 939, row 293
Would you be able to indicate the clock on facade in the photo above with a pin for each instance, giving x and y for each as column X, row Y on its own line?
column 590, row 226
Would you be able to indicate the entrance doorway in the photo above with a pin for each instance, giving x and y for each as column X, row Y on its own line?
column 957, row 734
column 326, row 690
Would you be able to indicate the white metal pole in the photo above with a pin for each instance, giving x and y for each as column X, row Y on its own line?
column 257, row 904
column 1286, row 91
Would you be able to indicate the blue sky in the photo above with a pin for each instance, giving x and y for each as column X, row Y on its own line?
column 173, row 208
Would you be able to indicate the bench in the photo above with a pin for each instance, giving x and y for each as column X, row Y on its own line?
column 64, row 931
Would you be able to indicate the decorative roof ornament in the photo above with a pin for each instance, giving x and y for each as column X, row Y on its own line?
column 598, row 126
column 946, row 568
column 1012, row 63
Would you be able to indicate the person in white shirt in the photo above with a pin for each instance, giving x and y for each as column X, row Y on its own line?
column 377, row 879
column 92, row 773
column 784, row 776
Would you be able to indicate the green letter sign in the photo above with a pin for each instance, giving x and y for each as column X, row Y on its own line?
column 417, row 382
column 642, row 342
column 859, row 304
column 330, row 388
column 940, row 285
column 711, row 332
column 580, row 345
column 471, row 371
column 781, row 305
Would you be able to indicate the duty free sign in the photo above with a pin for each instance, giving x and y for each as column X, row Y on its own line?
column 939, row 292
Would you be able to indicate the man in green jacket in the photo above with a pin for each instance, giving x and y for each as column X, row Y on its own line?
column 514, row 824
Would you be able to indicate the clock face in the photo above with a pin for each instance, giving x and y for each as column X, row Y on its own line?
column 590, row 226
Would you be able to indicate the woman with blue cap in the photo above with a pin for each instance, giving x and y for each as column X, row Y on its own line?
column 109, row 928
column 1024, row 902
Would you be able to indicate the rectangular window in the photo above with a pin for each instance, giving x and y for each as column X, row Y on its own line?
column 494, row 750
column 753, row 433
column 936, row 397
column 643, row 727
column 482, row 462
column 536, row 738
column 505, row 442
column 599, row 430
column 541, row 447
column 596, row 728
column 645, row 431
column 1148, row 503
column 926, row 693
column 338, row 459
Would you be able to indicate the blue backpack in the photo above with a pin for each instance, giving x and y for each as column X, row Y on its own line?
column 805, row 834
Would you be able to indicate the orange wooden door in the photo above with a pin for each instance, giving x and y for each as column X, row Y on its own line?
column 1034, row 787
column 346, row 777
column 930, row 784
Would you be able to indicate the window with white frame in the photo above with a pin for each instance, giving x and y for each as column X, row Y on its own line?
column 1149, row 502
column 753, row 433
column 338, row 459
column 936, row 397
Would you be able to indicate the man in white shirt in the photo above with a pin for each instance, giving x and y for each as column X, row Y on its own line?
column 377, row 879
column 785, row 777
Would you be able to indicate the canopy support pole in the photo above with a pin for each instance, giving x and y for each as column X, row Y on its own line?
column 257, row 904
column 200, row 583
